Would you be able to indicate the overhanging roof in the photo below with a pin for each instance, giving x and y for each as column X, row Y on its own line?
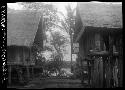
column 98, row 15
column 101, row 14
column 22, row 26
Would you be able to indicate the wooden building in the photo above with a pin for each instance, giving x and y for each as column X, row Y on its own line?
column 99, row 34
column 24, row 30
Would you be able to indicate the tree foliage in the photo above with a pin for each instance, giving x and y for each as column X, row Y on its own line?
column 52, row 20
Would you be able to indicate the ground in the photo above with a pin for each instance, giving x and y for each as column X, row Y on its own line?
column 40, row 83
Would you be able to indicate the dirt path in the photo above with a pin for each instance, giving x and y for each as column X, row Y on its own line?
column 53, row 83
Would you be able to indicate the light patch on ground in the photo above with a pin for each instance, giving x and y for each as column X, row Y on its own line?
column 67, row 71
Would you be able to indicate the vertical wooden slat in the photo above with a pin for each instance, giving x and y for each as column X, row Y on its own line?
column 111, row 57
column 32, row 61
column 101, row 72
column 121, row 72
column 25, row 64
column 27, row 67
column 23, row 55
column 9, row 74
column 104, row 71
column 121, row 63
column 32, row 71
column 28, row 75
column 19, row 72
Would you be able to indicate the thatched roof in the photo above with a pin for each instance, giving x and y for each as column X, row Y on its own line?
column 22, row 27
column 101, row 14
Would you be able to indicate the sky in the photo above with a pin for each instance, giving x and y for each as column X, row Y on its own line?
column 59, row 5
column 15, row 6
column 107, row 2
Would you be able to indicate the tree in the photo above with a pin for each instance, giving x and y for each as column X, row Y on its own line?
column 58, row 40
column 51, row 20
column 69, row 24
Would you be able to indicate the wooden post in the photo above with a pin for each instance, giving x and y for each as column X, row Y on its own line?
column 101, row 72
column 27, row 69
column 32, row 72
column 121, row 63
column 9, row 74
column 31, row 61
column 111, row 58
column 28, row 75
column 92, row 71
column 104, row 72
column 19, row 72
column 121, row 72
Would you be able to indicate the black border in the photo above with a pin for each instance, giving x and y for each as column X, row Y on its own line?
column 3, row 44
